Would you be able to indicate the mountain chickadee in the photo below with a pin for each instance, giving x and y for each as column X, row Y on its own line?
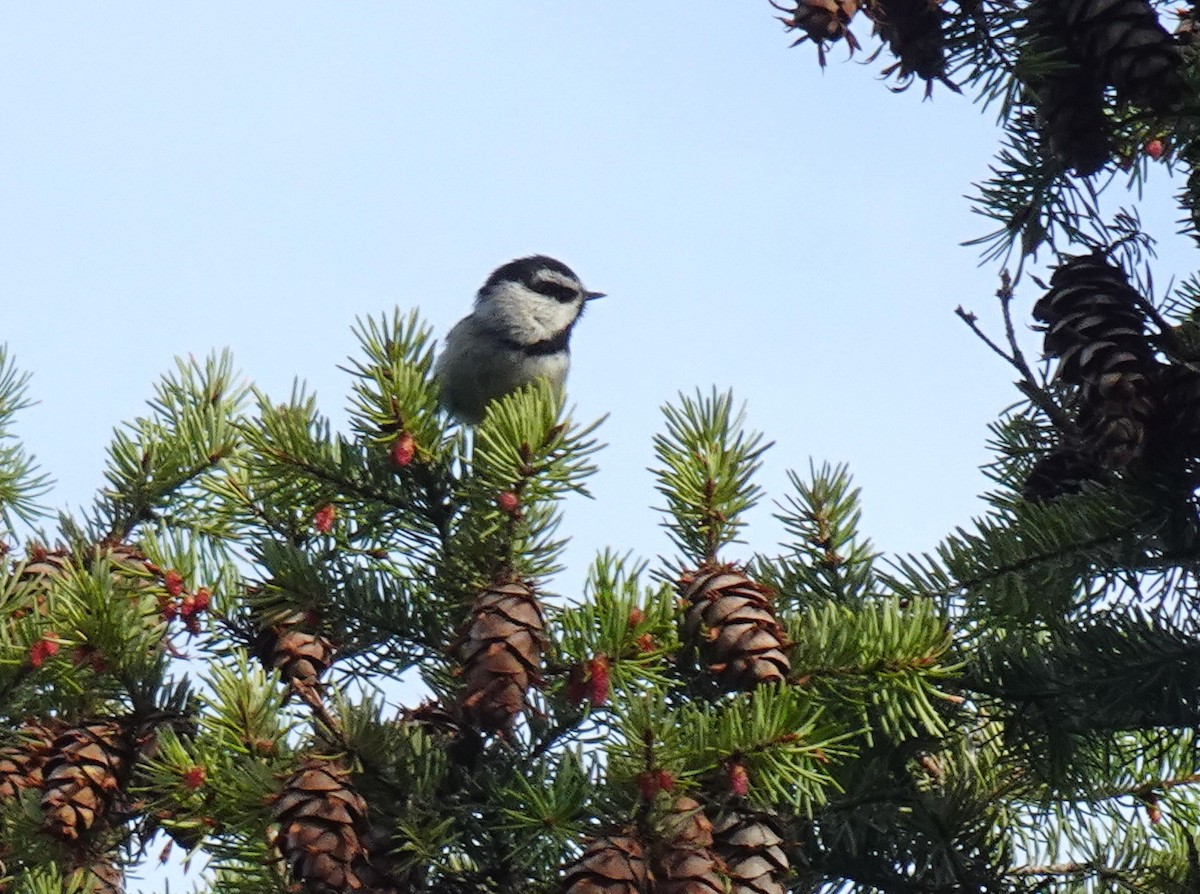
column 519, row 331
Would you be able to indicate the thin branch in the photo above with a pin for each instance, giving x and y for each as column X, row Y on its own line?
column 1028, row 384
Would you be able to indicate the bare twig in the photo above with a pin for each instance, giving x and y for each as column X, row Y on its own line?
column 1028, row 383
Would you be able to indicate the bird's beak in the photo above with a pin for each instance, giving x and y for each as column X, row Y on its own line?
column 592, row 296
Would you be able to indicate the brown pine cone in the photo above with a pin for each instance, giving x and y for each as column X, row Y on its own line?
column 295, row 648
column 500, row 650
column 1096, row 327
column 88, row 767
column 730, row 621
column 322, row 820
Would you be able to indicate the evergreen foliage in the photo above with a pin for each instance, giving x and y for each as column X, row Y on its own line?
column 208, row 659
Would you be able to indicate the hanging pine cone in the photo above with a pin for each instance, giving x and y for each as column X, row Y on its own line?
column 1127, row 47
column 1069, row 97
column 21, row 763
column 1074, row 127
column 730, row 621
column 613, row 864
column 824, row 22
column 1094, row 325
column 1075, row 130
column 751, row 848
column 500, row 651
column 295, row 648
column 1064, row 470
column 88, row 768
column 685, row 863
column 321, row 823
column 912, row 29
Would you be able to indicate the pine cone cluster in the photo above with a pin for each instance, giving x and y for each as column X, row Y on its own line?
column 322, row 822
column 87, row 769
column 295, row 647
column 751, row 848
column 1097, row 330
column 685, row 863
column 729, row 620
column 914, row 31
column 500, row 651
column 612, row 864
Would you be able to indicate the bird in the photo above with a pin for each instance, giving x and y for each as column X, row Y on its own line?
column 518, row 331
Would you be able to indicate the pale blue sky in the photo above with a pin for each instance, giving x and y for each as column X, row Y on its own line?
column 177, row 178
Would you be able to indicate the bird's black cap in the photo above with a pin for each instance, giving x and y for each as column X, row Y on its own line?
column 522, row 270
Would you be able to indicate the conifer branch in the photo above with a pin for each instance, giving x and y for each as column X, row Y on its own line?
column 706, row 469
column 21, row 485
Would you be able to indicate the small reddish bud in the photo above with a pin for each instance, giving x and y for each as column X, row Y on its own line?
column 651, row 782
column 645, row 643
column 169, row 610
column 598, row 688
column 636, row 616
column 1153, row 811
column 262, row 746
column 648, row 784
column 324, row 517
column 404, row 448
column 192, row 623
column 42, row 649
column 173, row 582
column 509, row 503
column 739, row 780
column 194, row 778
column 202, row 599
column 1155, row 149
column 187, row 605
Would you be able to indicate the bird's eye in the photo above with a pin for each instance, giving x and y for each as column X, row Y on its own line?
column 556, row 290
